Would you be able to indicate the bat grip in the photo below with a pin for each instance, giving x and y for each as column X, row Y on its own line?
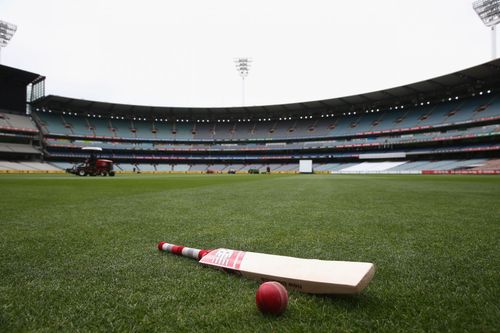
column 182, row 250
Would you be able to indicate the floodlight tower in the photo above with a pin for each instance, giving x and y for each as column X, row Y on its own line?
column 7, row 30
column 489, row 13
column 242, row 66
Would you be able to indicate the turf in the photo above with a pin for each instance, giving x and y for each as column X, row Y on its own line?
column 78, row 254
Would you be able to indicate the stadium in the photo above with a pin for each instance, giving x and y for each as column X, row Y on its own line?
column 405, row 178
column 448, row 124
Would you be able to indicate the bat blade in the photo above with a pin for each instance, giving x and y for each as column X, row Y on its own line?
column 306, row 275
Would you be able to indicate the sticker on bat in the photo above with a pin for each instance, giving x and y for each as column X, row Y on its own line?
column 224, row 258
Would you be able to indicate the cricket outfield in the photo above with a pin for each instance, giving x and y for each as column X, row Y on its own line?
column 79, row 254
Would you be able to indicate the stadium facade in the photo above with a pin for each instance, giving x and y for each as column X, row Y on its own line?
column 448, row 124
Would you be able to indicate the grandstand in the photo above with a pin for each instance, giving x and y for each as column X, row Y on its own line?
column 445, row 124
column 19, row 140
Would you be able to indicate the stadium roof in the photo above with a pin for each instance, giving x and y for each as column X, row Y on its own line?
column 461, row 83
column 13, row 84
column 11, row 74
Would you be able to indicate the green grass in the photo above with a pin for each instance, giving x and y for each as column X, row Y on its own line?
column 78, row 254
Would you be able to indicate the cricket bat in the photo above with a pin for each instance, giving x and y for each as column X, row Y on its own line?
column 307, row 275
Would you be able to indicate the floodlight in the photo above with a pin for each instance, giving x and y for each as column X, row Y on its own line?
column 489, row 12
column 7, row 31
column 242, row 66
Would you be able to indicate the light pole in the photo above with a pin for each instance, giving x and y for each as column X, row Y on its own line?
column 7, row 30
column 489, row 12
column 242, row 66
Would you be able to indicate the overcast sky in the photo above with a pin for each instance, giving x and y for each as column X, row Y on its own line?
column 180, row 53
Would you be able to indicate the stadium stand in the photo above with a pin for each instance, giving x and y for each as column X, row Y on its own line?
column 370, row 167
column 181, row 167
column 63, row 165
column 13, row 122
column 197, row 167
column 38, row 166
column 127, row 167
column 19, row 140
column 27, row 166
column 18, row 148
column 449, row 123
column 487, row 165
column 415, row 118
column 400, row 167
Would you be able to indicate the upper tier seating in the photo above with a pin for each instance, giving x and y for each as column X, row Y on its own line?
column 376, row 142
column 16, row 122
column 446, row 113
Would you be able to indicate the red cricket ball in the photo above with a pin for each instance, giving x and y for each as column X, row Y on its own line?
column 272, row 298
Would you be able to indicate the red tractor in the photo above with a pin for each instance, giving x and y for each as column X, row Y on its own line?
column 93, row 166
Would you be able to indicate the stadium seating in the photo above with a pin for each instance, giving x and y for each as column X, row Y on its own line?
column 399, row 167
column 487, row 165
column 403, row 139
column 18, row 148
column 27, row 166
column 63, row 165
column 15, row 122
column 125, row 167
column 340, row 143
column 446, row 113
column 180, row 168
column 370, row 167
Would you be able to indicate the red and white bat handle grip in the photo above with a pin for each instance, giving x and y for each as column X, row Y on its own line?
column 182, row 250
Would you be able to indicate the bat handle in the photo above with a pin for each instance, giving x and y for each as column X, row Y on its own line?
column 182, row 250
